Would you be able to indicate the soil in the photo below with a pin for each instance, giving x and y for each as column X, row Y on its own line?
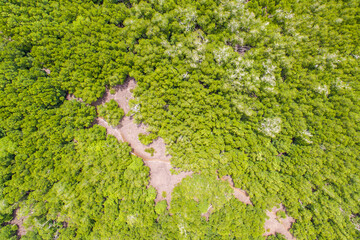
column 72, row 97
column 207, row 214
column 272, row 225
column 127, row 131
column 19, row 222
column 160, row 176
column 240, row 194
column 162, row 179
column 46, row 70
column 276, row 224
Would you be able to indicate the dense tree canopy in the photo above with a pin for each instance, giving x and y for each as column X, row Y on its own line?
column 264, row 91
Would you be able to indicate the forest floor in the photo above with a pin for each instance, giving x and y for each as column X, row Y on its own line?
column 272, row 225
column 162, row 179
column 275, row 224
column 239, row 194
column 128, row 131
column 160, row 175
column 19, row 222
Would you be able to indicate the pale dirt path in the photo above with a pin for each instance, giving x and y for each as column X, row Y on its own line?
column 19, row 222
column 272, row 224
column 160, row 176
column 278, row 225
column 127, row 128
column 162, row 179
column 240, row 194
column 127, row 131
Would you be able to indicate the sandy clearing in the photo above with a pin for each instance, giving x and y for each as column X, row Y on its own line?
column 208, row 213
column 240, row 194
column 72, row 97
column 162, row 179
column 127, row 131
column 282, row 226
column 109, row 129
column 19, row 222
column 127, row 128
column 46, row 70
column 272, row 225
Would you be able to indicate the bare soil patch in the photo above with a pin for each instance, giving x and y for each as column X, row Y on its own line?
column 240, row 194
column 272, row 225
column 47, row 71
column 275, row 224
column 128, row 130
column 72, row 97
column 207, row 214
column 162, row 179
column 19, row 222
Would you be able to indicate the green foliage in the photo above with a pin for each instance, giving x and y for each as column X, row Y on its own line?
column 278, row 236
column 281, row 214
column 146, row 139
column 8, row 232
column 31, row 235
column 163, row 194
column 111, row 112
column 229, row 218
column 160, row 207
column 282, row 117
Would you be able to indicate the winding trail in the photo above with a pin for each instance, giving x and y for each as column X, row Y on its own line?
column 19, row 221
column 240, row 194
column 128, row 131
column 160, row 167
column 275, row 225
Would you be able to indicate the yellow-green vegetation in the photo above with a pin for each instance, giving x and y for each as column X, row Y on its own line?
column 266, row 92
column 111, row 112
column 146, row 139
column 150, row 150
column 281, row 214
column 8, row 232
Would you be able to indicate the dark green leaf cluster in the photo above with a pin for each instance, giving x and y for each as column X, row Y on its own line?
column 8, row 232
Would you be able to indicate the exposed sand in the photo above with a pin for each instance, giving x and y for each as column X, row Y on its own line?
column 162, row 179
column 46, row 70
column 160, row 176
column 19, row 222
column 72, row 97
column 240, row 194
column 127, row 131
column 282, row 225
column 207, row 214
column 272, row 224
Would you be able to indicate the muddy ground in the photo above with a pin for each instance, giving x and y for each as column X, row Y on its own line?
column 276, row 224
column 128, row 131
column 160, row 176
column 17, row 220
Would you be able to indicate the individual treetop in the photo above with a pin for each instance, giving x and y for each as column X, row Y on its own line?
column 111, row 112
